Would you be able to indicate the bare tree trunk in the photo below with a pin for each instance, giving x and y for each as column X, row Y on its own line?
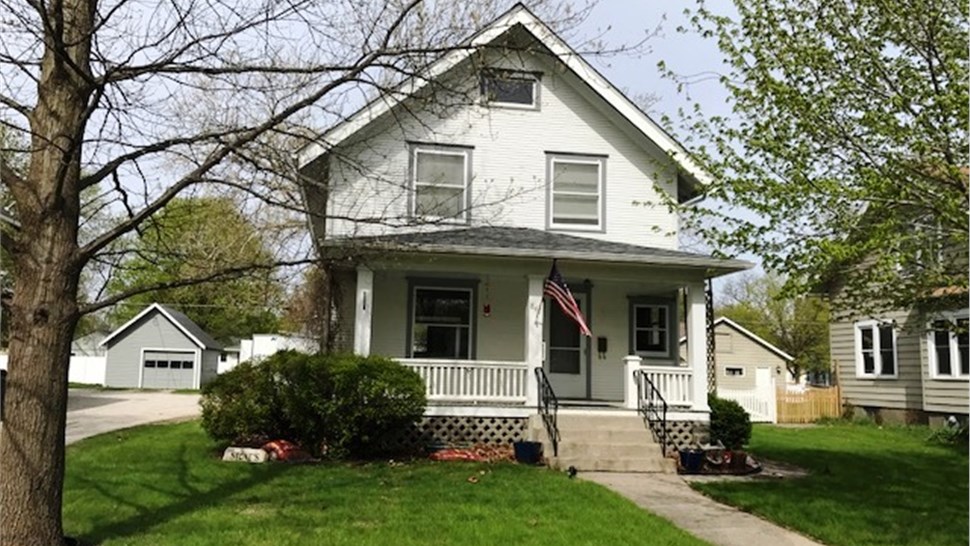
column 47, row 266
column 32, row 442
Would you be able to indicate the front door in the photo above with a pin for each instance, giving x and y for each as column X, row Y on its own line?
column 566, row 351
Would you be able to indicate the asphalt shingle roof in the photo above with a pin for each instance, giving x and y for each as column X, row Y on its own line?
column 190, row 326
column 534, row 243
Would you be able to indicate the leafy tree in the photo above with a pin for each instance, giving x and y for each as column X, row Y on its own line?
column 195, row 237
column 797, row 325
column 847, row 140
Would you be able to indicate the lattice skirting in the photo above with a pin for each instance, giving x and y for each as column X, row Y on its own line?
column 460, row 431
column 682, row 434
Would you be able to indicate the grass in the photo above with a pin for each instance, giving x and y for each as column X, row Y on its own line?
column 163, row 485
column 868, row 485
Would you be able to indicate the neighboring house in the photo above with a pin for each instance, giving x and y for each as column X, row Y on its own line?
column 739, row 353
column 902, row 365
column 548, row 161
column 160, row 348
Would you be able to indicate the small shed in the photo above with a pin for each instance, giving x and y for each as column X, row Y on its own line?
column 160, row 348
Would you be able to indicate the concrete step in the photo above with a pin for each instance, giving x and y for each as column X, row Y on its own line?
column 620, row 464
column 607, row 451
column 581, row 422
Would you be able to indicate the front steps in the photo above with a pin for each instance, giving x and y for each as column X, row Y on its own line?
column 603, row 442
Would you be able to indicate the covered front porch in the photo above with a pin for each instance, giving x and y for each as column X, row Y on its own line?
column 478, row 329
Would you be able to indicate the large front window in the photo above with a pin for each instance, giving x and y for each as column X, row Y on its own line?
column 440, row 180
column 576, row 192
column 441, row 325
column 651, row 330
column 949, row 349
column 875, row 343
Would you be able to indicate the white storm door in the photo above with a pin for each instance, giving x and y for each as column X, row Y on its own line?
column 566, row 350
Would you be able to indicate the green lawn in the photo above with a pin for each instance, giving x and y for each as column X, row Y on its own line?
column 163, row 485
column 868, row 485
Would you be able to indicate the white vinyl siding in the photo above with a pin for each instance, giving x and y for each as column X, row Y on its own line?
column 875, row 343
column 576, row 192
column 440, row 182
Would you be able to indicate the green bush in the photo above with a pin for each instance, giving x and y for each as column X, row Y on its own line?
column 334, row 404
column 729, row 423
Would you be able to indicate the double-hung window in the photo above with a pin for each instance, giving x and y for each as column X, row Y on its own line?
column 875, row 349
column 650, row 330
column 576, row 191
column 949, row 350
column 440, row 180
column 442, row 322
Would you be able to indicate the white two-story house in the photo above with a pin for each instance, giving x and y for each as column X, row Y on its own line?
column 446, row 205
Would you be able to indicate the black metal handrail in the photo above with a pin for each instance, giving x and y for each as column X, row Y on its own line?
column 548, row 407
column 652, row 406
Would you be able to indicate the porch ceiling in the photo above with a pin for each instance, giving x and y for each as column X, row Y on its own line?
column 529, row 243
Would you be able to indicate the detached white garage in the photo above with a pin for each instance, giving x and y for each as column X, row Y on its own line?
column 160, row 348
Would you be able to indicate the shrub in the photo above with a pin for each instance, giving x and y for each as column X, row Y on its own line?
column 729, row 423
column 338, row 404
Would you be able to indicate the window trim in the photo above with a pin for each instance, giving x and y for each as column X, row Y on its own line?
column 439, row 149
column 670, row 303
column 877, row 349
column 575, row 158
column 432, row 283
column 534, row 77
column 931, row 358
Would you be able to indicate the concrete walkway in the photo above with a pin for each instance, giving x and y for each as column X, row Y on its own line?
column 92, row 412
column 670, row 497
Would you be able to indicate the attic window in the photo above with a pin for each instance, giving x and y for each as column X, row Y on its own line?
column 515, row 89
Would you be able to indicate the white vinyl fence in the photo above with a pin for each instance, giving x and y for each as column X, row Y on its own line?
column 84, row 369
column 760, row 402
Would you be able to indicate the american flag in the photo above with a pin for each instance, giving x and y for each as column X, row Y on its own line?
column 555, row 287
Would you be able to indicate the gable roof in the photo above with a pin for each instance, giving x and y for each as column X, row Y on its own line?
column 518, row 15
column 191, row 330
column 534, row 243
column 753, row 337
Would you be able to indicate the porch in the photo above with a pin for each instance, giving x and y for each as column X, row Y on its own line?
column 511, row 389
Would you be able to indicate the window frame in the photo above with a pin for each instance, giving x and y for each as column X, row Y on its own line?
column 413, row 184
column 552, row 158
column 875, row 325
column 953, row 343
column 741, row 368
column 470, row 285
column 517, row 75
column 668, row 303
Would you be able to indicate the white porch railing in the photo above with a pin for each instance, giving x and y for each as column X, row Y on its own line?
column 674, row 384
column 472, row 380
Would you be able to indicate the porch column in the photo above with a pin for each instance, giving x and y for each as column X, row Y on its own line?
column 697, row 344
column 363, row 310
column 631, row 364
column 534, row 317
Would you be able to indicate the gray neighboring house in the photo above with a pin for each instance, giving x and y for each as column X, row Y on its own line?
column 160, row 348
column 901, row 366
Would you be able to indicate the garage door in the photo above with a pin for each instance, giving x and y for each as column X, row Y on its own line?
column 168, row 370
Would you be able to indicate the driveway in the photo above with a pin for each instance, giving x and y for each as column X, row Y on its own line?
column 92, row 412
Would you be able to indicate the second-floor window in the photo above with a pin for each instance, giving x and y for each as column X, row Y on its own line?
column 875, row 344
column 949, row 350
column 576, row 192
column 440, row 178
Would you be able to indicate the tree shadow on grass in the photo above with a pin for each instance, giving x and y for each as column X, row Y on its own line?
column 190, row 497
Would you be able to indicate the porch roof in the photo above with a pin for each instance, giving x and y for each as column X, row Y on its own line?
column 534, row 243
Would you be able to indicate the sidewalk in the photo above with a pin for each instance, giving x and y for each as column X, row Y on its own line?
column 670, row 497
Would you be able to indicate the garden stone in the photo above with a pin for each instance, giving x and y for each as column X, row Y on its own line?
column 245, row 455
